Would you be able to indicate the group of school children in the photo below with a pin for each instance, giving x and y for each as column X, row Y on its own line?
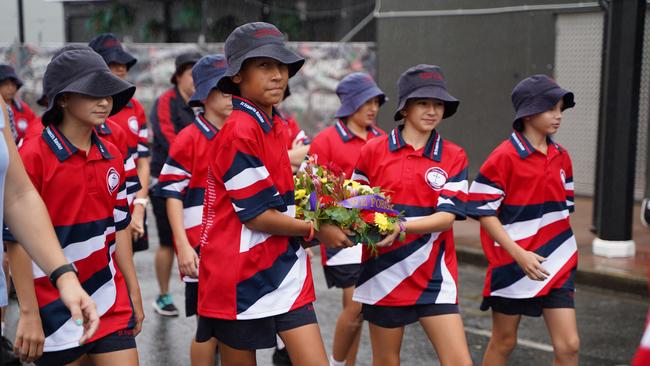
column 224, row 202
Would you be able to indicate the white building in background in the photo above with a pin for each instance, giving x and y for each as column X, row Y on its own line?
column 43, row 21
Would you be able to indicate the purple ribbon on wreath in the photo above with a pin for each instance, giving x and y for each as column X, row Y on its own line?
column 370, row 202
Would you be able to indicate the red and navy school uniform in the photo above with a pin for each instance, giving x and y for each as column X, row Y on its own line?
column 422, row 269
column 133, row 121
column 642, row 355
column 184, row 175
column 169, row 115
column 295, row 132
column 34, row 129
column 532, row 195
column 112, row 132
column 85, row 195
column 337, row 146
column 23, row 117
column 245, row 274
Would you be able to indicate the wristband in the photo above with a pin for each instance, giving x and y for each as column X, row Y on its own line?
column 402, row 227
column 311, row 232
column 141, row 201
column 68, row 267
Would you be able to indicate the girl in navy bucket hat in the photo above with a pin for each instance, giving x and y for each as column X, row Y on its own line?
column 254, row 282
column 81, row 178
column 415, row 279
column 338, row 147
column 182, row 183
column 522, row 196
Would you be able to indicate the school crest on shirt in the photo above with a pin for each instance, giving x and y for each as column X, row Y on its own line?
column 133, row 124
column 112, row 180
column 436, row 178
column 22, row 124
column 563, row 176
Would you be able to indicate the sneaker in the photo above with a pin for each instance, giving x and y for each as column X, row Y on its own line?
column 281, row 357
column 8, row 355
column 645, row 212
column 164, row 305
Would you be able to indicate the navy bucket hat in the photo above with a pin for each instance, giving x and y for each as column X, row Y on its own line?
column 110, row 48
column 252, row 40
column 354, row 90
column 184, row 59
column 424, row 81
column 206, row 75
column 536, row 94
column 8, row 72
column 81, row 70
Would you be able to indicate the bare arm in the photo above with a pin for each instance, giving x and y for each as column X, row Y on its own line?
column 124, row 259
column 188, row 260
column 530, row 262
column 297, row 154
column 434, row 223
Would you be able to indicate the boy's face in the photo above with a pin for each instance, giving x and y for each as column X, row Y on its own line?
column 547, row 123
column 263, row 80
column 8, row 89
column 366, row 114
column 185, row 82
column 219, row 103
column 424, row 114
column 86, row 109
column 118, row 70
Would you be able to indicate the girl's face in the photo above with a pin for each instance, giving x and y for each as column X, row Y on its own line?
column 366, row 115
column 546, row 123
column 89, row 110
column 423, row 114
column 263, row 80
column 8, row 89
column 118, row 70
column 185, row 82
column 219, row 103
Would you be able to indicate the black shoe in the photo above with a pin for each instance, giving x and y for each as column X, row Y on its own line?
column 281, row 357
column 645, row 212
column 8, row 355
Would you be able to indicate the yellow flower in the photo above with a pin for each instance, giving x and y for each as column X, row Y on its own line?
column 300, row 194
column 381, row 221
column 323, row 180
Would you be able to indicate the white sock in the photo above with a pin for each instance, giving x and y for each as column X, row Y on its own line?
column 333, row 362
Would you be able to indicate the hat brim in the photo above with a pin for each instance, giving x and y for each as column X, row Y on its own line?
column 542, row 103
column 120, row 57
column 351, row 104
column 429, row 92
column 202, row 91
column 15, row 79
column 95, row 84
column 272, row 50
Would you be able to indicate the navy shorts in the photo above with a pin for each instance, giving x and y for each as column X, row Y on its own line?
column 159, row 205
column 118, row 341
column 399, row 316
column 254, row 333
column 343, row 276
column 191, row 298
column 556, row 299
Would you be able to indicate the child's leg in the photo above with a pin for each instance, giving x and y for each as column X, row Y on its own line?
column 203, row 353
column 348, row 330
column 125, row 357
column 305, row 345
column 562, row 326
column 82, row 361
column 503, row 340
column 386, row 344
column 236, row 357
column 447, row 335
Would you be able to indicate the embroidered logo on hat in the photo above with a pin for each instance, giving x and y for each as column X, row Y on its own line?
column 111, row 42
column 267, row 32
column 431, row 75
column 221, row 63
column 436, row 178
column 112, row 180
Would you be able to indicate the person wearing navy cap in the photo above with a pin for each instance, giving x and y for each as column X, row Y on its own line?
column 81, row 178
column 22, row 114
column 415, row 279
column 133, row 121
column 182, row 182
column 522, row 196
column 254, row 282
column 338, row 147
column 169, row 115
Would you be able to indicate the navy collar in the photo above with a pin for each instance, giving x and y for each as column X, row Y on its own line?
column 103, row 129
column 525, row 148
column 347, row 135
column 64, row 149
column 432, row 150
column 17, row 105
column 246, row 106
column 208, row 130
column 129, row 103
